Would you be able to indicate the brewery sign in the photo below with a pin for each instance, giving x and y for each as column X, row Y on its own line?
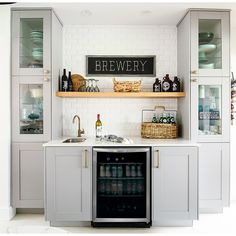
column 121, row 66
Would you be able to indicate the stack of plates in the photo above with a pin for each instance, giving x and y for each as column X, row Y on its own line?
column 36, row 36
column 37, row 53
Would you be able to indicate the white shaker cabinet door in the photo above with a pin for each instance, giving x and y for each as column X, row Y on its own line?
column 214, row 175
column 174, row 184
column 27, row 175
column 68, row 183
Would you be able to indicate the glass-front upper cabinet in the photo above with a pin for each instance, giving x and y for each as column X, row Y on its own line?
column 209, row 110
column 31, row 109
column 30, row 42
column 210, row 43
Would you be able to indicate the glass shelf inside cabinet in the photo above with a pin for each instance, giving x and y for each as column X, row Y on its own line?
column 210, row 44
column 31, row 43
column 31, row 109
column 209, row 110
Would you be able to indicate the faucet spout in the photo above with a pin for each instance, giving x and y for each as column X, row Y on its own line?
column 79, row 130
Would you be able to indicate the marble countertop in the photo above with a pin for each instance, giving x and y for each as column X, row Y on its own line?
column 130, row 141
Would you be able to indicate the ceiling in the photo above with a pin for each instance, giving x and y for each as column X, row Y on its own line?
column 123, row 13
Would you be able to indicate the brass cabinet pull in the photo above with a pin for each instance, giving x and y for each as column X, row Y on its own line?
column 193, row 80
column 157, row 164
column 86, row 158
column 194, row 72
column 45, row 75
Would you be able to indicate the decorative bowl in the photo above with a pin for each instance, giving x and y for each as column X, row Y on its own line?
column 205, row 37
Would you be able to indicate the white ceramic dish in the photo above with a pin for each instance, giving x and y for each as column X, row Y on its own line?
column 207, row 66
column 207, row 48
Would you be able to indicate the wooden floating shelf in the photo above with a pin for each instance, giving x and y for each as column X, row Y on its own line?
column 120, row 94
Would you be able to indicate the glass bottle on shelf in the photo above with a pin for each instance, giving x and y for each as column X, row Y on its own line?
column 167, row 84
column 157, row 86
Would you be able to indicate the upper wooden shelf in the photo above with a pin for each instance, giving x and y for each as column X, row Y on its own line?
column 120, row 94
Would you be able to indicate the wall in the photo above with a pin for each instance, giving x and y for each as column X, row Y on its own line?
column 119, row 116
column 6, row 212
column 233, row 127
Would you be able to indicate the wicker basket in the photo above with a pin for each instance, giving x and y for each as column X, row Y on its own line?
column 155, row 130
column 127, row 86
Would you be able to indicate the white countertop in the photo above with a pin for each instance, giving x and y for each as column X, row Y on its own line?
column 132, row 141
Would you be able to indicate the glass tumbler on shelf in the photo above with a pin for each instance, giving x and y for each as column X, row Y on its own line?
column 96, row 89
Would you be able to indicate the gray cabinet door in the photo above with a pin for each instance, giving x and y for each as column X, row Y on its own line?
column 27, row 175
column 214, row 176
column 68, row 183
column 31, row 109
column 31, row 42
column 174, row 184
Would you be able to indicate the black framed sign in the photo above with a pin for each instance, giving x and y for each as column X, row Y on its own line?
column 121, row 66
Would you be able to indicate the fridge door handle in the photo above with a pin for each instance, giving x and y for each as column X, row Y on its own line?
column 157, row 159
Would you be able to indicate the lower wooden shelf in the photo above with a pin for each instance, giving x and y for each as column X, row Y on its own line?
column 120, row 94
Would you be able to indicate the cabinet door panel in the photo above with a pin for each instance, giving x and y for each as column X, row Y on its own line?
column 213, row 175
column 175, row 183
column 68, row 184
column 31, row 34
column 210, row 43
column 27, row 175
column 31, row 109
column 210, row 113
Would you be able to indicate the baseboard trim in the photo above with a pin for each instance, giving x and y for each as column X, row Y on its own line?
column 173, row 223
column 70, row 223
column 7, row 213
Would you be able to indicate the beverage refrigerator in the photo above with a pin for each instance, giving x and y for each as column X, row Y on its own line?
column 121, row 187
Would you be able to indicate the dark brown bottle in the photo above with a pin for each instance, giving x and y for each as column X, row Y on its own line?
column 157, row 86
column 64, row 81
column 167, row 84
column 176, row 84
column 70, row 84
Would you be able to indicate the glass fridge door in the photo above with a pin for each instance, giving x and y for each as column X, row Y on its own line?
column 122, row 186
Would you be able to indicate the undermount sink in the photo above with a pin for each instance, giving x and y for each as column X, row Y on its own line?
column 74, row 140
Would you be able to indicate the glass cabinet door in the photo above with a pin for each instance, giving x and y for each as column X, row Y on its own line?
column 209, row 110
column 31, row 116
column 210, row 113
column 30, row 42
column 210, row 44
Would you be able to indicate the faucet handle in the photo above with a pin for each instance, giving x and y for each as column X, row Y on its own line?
column 82, row 131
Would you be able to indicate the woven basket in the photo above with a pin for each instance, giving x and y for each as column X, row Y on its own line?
column 127, row 86
column 155, row 130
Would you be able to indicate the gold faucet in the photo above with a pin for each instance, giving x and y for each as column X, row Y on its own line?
column 79, row 130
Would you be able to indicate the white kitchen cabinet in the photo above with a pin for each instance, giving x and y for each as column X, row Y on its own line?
column 36, row 112
column 210, row 55
column 27, row 175
column 68, row 184
column 210, row 113
column 214, row 176
column 204, row 68
column 174, row 185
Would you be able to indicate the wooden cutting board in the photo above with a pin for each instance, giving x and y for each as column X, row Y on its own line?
column 78, row 81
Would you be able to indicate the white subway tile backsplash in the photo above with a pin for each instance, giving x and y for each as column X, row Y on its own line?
column 119, row 116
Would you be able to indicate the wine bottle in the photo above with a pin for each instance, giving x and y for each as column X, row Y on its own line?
column 98, row 127
column 70, row 84
column 64, row 81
